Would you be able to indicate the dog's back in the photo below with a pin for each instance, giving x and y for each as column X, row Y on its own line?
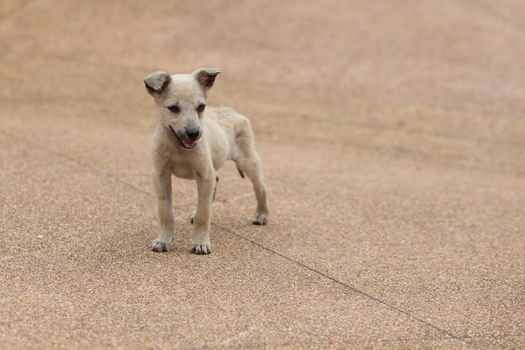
column 232, row 127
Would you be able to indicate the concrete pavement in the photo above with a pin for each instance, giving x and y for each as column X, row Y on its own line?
column 392, row 136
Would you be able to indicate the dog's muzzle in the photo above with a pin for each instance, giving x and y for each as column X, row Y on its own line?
column 184, row 143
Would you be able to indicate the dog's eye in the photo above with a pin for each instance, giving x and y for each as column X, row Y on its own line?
column 200, row 108
column 174, row 109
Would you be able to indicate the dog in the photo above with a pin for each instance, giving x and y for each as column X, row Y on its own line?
column 192, row 141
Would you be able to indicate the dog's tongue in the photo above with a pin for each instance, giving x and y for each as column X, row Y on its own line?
column 189, row 143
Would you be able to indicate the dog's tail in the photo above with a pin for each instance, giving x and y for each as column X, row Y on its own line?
column 240, row 172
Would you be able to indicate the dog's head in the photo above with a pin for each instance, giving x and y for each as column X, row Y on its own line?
column 181, row 100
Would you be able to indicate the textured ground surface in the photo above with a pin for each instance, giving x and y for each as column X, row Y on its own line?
column 393, row 139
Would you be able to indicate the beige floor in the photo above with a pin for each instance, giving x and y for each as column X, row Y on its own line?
column 393, row 140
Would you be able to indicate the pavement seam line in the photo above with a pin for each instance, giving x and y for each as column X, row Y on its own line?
column 346, row 285
column 96, row 172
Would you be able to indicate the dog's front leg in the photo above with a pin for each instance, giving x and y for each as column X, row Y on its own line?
column 162, row 182
column 201, row 222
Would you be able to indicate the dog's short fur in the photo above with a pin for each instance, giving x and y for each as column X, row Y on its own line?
column 193, row 141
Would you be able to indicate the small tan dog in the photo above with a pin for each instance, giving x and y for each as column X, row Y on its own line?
column 193, row 141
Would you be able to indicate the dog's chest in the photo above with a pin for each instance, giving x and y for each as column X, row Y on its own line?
column 182, row 169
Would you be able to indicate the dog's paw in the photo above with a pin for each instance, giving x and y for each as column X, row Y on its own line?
column 260, row 219
column 159, row 246
column 201, row 249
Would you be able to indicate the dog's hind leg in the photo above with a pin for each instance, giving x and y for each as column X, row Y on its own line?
column 250, row 164
column 215, row 189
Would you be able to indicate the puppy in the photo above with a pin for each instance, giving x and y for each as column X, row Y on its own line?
column 192, row 141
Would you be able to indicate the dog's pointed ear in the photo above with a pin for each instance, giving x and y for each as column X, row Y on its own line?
column 206, row 76
column 156, row 82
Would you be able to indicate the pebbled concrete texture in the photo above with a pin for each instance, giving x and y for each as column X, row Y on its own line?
column 392, row 136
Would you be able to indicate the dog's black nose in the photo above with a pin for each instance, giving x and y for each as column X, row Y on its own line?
column 193, row 133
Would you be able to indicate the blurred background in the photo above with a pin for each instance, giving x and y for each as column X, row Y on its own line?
column 392, row 135
column 440, row 80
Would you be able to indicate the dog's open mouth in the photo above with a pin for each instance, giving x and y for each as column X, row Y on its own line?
column 186, row 144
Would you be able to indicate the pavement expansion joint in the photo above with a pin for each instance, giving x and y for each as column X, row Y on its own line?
column 346, row 285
